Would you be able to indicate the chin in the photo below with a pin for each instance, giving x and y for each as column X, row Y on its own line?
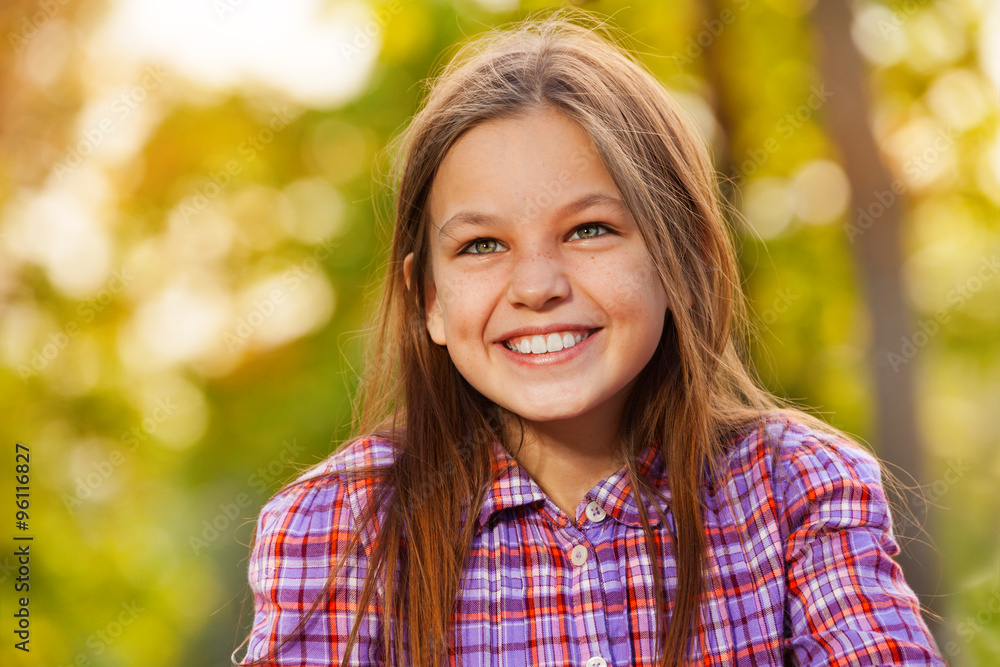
column 536, row 412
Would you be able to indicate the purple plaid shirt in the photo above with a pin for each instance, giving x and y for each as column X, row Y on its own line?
column 799, row 570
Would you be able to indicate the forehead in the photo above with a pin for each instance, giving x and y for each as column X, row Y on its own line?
column 517, row 168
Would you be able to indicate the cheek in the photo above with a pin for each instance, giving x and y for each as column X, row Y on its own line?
column 463, row 302
column 636, row 297
column 635, row 282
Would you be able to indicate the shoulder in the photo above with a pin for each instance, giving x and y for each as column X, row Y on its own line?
column 330, row 495
column 367, row 452
column 305, row 532
column 785, row 446
column 793, row 466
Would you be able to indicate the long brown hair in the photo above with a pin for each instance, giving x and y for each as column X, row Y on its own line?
column 691, row 398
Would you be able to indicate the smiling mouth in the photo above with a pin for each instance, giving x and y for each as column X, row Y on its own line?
column 553, row 342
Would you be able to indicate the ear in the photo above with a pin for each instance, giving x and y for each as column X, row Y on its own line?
column 407, row 269
column 434, row 318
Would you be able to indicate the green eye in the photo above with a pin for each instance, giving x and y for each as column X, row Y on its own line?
column 589, row 231
column 483, row 247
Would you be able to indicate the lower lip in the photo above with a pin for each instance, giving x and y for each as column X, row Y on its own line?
column 563, row 355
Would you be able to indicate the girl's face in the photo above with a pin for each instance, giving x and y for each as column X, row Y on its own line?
column 542, row 290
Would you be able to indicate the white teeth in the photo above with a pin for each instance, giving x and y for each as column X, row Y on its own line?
column 544, row 344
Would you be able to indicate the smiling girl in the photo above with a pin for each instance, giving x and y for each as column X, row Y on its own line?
column 563, row 459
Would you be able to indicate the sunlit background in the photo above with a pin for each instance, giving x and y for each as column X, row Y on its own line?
column 192, row 221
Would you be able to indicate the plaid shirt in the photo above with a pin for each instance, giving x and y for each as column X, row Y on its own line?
column 799, row 570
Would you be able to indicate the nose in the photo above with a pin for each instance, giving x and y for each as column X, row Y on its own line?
column 538, row 279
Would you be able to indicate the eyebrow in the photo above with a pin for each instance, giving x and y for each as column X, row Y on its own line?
column 575, row 206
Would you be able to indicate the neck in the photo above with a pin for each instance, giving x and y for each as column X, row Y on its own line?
column 566, row 458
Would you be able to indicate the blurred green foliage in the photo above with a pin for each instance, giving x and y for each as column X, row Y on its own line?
column 164, row 409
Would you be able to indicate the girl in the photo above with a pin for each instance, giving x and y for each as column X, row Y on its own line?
column 564, row 460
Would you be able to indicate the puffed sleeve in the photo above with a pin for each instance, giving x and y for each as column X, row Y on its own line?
column 847, row 602
column 302, row 532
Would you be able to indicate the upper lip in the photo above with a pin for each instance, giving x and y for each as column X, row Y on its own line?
column 544, row 331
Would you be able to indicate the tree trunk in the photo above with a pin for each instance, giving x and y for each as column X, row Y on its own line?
column 878, row 255
column 877, row 250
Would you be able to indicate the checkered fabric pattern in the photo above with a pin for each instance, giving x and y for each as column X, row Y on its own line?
column 799, row 569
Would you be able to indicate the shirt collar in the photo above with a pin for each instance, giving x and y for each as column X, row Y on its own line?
column 513, row 487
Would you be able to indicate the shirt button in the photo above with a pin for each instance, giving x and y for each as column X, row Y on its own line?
column 595, row 512
column 579, row 557
column 597, row 661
